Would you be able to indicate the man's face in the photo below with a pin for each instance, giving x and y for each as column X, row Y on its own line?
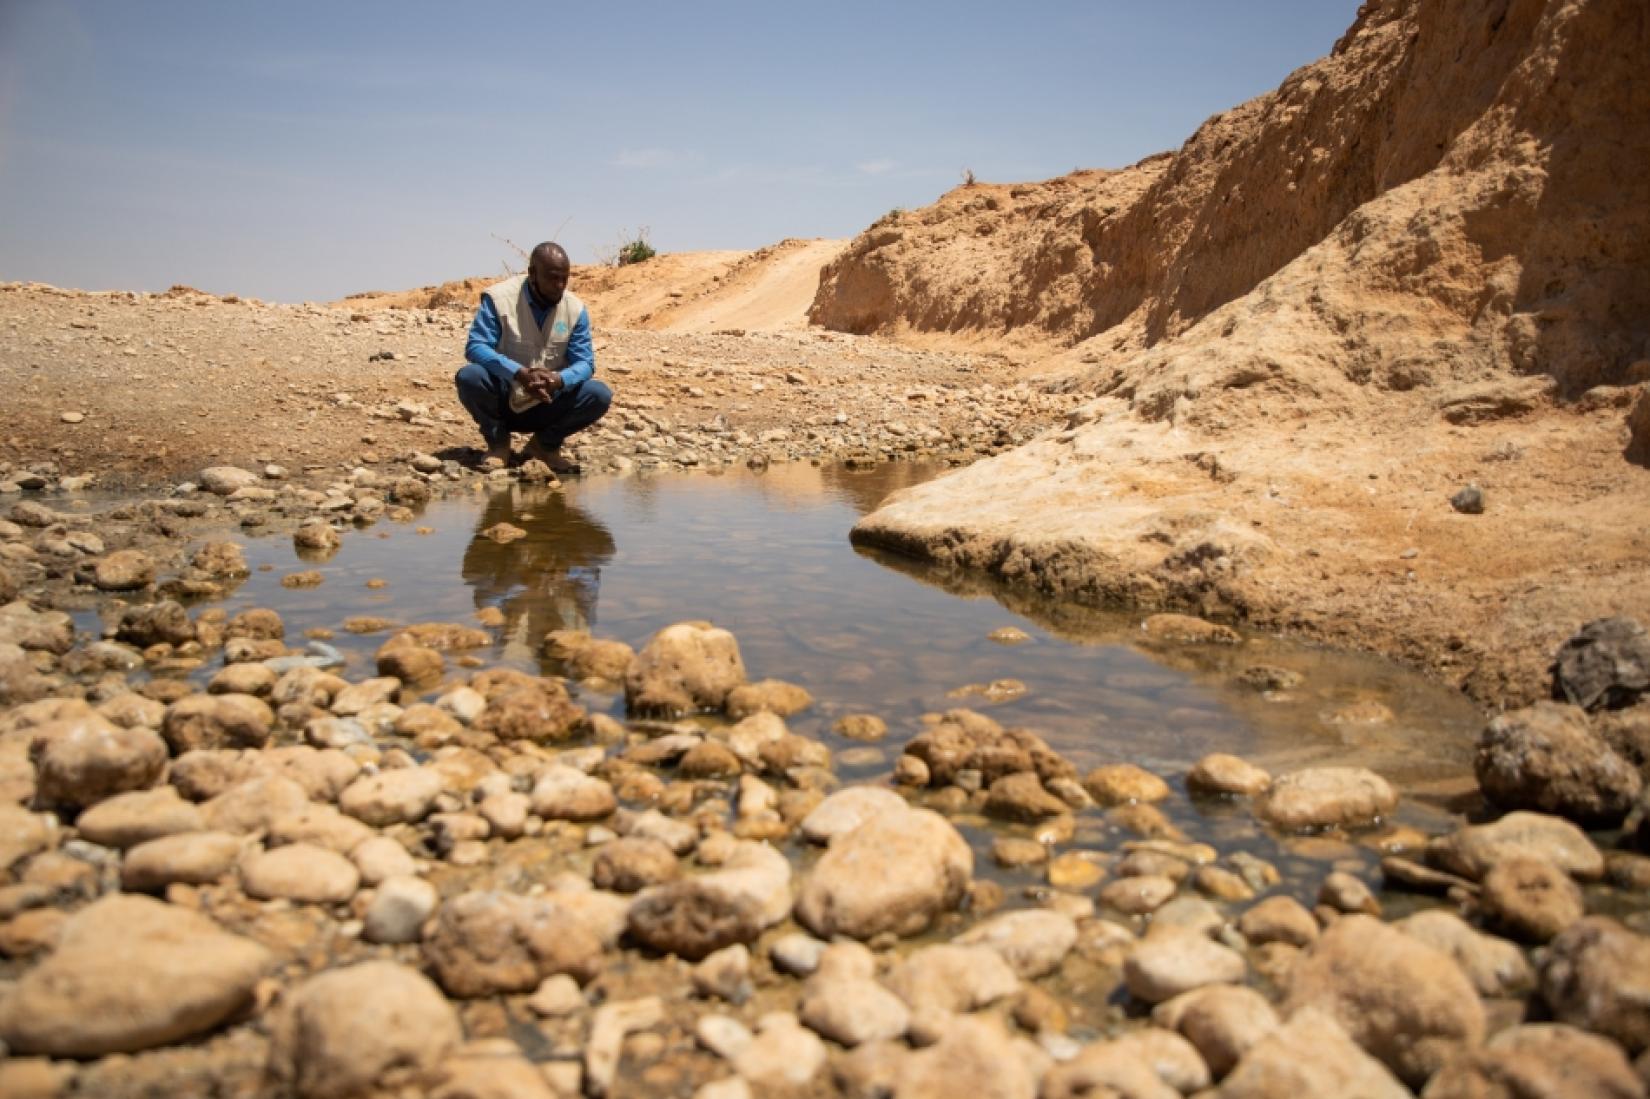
column 549, row 278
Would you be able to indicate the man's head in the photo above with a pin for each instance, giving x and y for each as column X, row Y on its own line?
column 547, row 272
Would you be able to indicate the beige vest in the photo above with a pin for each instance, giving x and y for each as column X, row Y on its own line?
column 522, row 340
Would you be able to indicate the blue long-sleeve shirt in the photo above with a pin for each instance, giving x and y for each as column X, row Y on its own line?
column 482, row 347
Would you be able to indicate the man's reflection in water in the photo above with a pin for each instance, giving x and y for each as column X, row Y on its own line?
column 545, row 581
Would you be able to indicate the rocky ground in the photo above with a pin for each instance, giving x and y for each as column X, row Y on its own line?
column 230, row 871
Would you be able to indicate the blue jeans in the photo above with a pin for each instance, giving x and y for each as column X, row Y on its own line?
column 486, row 397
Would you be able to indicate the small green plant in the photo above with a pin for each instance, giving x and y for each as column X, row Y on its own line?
column 635, row 250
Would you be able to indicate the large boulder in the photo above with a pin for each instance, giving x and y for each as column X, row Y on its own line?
column 1597, row 977
column 1606, row 665
column 895, row 872
column 484, row 943
column 130, row 973
column 684, row 668
column 1406, row 1003
column 1495, row 966
column 1547, row 758
column 81, row 760
column 367, row 1029
column 1323, row 797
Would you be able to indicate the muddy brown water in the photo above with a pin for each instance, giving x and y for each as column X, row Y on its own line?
column 766, row 555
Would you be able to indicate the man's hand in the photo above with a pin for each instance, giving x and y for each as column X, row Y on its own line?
column 541, row 382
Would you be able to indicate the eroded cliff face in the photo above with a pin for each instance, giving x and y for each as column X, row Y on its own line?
column 1423, row 261
column 1472, row 168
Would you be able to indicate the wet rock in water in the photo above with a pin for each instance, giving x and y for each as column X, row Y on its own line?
column 748, row 893
column 403, row 795
column 1021, row 797
column 1187, row 630
column 1606, row 665
column 688, row 667
column 1531, row 899
column 1218, row 773
column 783, row 1054
column 1320, row 797
column 540, row 711
column 365, row 1029
column 130, row 973
column 772, row 696
column 129, row 819
column 1138, row 894
column 1223, row 1022
column 1268, row 677
column 189, row 858
column 1540, row 1060
column 708, row 759
column 224, row 560
column 1013, row 852
column 588, row 657
column 947, row 979
column 1171, row 961
column 860, row 727
column 566, row 793
column 1279, row 920
column 410, row 663
column 974, row 1057
column 967, row 741
column 316, row 538
column 1472, row 850
column 300, row 872
column 1123, row 784
column 224, row 480
column 1468, row 500
column 1310, row 1055
column 632, row 864
column 1148, row 1063
column 893, row 873
column 483, row 943
column 79, row 761
column 243, row 679
column 160, row 623
column 846, row 810
column 1407, row 1004
column 608, row 1028
column 1495, row 966
column 398, row 910
column 1033, row 941
column 503, row 533
column 124, row 570
column 1597, row 977
column 217, row 721
column 1344, row 892
column 1548, row 759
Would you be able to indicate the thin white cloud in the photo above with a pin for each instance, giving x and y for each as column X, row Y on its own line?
column 876, row 167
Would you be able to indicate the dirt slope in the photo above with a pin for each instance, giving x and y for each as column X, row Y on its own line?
column 1424, row 261
column 768, row 290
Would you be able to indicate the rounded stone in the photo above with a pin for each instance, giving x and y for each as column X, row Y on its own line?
column 300, row 872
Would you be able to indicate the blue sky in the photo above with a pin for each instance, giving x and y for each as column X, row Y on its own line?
column 303, row 150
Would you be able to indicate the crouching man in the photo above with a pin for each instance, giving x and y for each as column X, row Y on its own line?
column 531, row 364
